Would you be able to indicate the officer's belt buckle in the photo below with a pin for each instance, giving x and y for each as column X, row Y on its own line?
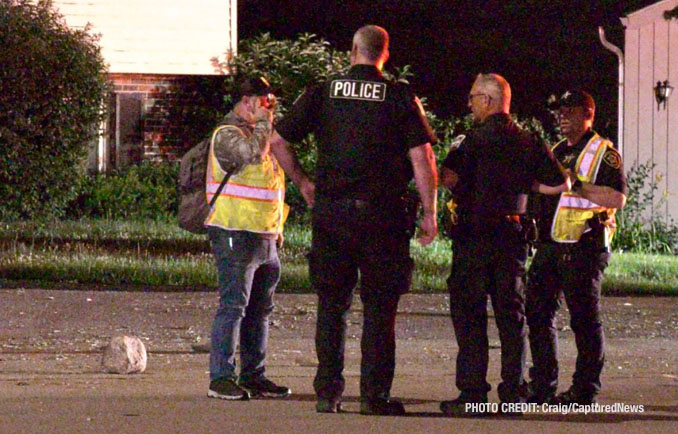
column 568, row 251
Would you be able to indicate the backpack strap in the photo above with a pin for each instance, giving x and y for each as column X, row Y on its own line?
column 228, row 174
column 221, row 187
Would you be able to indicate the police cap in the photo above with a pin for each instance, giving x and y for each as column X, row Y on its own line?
column 575, row 98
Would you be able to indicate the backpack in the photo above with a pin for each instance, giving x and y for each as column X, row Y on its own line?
column 193, row 206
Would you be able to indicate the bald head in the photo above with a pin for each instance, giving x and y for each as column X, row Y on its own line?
column 370, row 46
column 497, row 88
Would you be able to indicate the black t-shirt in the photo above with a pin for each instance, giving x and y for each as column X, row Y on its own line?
column 610, row 174
column 497, row 164
column 365, row 126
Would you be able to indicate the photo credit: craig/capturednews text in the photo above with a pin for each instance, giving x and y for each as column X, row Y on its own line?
column 571, row 408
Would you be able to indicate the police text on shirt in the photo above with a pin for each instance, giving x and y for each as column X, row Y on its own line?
column 357, row 89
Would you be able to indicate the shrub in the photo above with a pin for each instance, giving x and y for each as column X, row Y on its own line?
column 289, row 65
column 138, row 192
column 52, row 85
column 642, row 226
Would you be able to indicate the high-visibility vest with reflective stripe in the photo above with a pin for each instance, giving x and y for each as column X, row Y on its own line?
column 252, row 200
column 574, row 211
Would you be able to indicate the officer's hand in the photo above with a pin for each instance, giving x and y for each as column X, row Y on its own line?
column 307, row 189
column 428, row 229
column 280, row 241
column 571, row 175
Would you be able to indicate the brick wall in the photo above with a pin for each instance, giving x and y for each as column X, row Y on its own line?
column 154, row 93
column 158, row 117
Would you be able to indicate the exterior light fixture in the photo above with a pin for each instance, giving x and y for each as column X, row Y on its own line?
column 662, row 91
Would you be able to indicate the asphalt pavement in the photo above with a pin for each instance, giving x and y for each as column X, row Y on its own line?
column 51, row 379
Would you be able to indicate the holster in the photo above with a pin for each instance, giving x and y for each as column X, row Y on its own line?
column 529, row 229
column 412, row 204
column 600, row 232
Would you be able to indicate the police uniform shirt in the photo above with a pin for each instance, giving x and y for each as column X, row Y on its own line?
column 500, row 162
column 365, row 126
column 610, row 174
column 462, row 191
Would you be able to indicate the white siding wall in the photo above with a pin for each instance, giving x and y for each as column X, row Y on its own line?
column 651, row 55
column 631, row 68
column 158, row 36
column 672, row 122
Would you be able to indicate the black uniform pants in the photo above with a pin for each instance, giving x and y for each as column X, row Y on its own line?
column 492, row 263
column 351, row 237
column 577, row 271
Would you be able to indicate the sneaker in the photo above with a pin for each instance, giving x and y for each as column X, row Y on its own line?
column 328, row 405
column 381, row 407
column 263, row 387
column 226, row 388
column 573, row 396
column 457, row 407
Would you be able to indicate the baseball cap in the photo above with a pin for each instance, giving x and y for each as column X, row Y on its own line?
column 252, row 86
column 575, row 98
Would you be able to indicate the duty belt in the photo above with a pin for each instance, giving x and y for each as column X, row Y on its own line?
column 507, row 218
column 565, row 251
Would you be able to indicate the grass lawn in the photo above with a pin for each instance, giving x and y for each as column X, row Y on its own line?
column 153, row 254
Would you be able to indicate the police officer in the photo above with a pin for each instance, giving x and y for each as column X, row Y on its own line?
column 575, row 235
column 497, row 164
column 372, row 138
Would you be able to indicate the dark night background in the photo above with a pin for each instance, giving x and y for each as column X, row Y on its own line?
column 541, row 47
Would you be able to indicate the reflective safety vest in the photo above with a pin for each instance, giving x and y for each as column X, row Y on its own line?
column 574, row 211
column 252, row 200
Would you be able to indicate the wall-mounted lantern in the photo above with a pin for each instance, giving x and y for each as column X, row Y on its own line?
column 662, row 91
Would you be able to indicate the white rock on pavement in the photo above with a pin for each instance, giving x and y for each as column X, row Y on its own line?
column 124, row 355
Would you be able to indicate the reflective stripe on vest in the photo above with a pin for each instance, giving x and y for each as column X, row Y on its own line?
column 243, row 191
column 253, row 198
column 573, row 211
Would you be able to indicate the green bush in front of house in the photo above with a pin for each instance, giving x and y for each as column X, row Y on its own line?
column 642, row 225
column 138, row 192
column 52, row 85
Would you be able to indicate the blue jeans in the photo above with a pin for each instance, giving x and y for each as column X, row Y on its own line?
column 249, row 270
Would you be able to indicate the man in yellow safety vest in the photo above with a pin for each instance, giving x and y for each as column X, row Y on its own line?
column 245, row 226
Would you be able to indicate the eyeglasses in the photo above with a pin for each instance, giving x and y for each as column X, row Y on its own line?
column 473, row 95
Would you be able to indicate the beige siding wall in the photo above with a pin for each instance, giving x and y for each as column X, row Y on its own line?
column 631, row 121
column 672, row 121
column 651, row 55
column 157, row 36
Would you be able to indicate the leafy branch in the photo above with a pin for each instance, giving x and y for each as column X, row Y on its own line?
column 671, row 14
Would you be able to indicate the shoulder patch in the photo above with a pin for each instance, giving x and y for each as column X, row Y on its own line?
column 456, row 143
column 612, row 159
